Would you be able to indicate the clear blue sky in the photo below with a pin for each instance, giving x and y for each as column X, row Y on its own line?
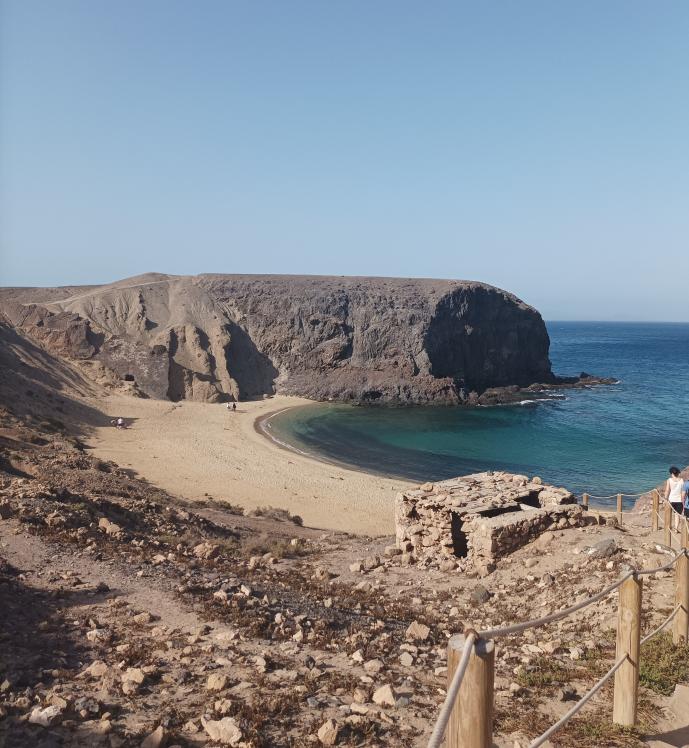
column 539, row 146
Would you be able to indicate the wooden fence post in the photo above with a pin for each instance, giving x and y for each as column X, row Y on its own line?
column 471, row 721
column 656, row 506
column 684, row 542
column 680, row 625
column 619, row 508
column 667, row 525
column 628, row 645
column 585, row 501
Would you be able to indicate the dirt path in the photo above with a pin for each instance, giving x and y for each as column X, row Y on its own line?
column 40, row 563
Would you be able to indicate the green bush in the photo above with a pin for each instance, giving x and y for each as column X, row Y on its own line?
column 663, row 665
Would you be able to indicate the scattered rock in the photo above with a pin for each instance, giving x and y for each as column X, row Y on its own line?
column 384, row 696
column 479, row 595
column 132, row 680
column 157, row 739
column 216, row 682
column 47, row 717
column 206, row 550
column 98, row 635
column 406, row 659
column 225, row 731
column 373, row 667
column 418, row 631
column 603, row 548
column 96, row 669
column 328, row 732
column 110, row 528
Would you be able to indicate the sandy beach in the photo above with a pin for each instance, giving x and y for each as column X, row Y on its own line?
column 196, row 449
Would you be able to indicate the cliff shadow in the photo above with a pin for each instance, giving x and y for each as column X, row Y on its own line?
column 482, row 338
column 39, row 386
column 253, row 371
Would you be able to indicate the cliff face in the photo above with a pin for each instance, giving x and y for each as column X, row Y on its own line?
column 213, row 337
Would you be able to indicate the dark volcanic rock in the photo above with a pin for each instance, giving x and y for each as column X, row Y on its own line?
column 369, row 340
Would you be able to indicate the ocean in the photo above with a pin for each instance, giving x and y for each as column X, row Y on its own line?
column 603, row 440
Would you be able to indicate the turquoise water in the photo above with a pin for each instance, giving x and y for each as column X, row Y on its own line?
column 604, row 440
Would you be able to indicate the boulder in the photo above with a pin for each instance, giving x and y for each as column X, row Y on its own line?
column 603, row 548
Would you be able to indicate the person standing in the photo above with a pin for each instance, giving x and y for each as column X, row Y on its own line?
column 674, row 493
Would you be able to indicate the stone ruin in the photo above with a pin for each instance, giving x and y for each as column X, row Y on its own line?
column 468, row 523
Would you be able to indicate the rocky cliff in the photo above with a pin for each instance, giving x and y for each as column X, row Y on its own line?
column 216, row 337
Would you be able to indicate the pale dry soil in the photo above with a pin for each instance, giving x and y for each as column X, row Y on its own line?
column 198, row 450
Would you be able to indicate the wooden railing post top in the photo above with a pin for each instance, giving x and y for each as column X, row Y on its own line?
column 482, row 647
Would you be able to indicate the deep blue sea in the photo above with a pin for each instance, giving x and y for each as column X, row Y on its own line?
column 604, row 440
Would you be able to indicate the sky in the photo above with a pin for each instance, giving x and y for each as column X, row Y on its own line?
column 542, row 147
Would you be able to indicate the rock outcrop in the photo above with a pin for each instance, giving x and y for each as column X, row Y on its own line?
column 218, row 337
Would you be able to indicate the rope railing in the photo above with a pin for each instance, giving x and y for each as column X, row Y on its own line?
column 489, row 634
column 663, row 624
column 517, row 628
column 615, row 495
column 579, row 705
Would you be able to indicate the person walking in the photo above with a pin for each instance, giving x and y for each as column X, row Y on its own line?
column 674, row 493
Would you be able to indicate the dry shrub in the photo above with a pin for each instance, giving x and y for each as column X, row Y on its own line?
column 280, row 515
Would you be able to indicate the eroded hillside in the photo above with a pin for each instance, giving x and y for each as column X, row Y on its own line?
column 216, row 337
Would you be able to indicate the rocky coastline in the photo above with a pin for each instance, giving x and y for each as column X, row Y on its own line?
column 539, row 391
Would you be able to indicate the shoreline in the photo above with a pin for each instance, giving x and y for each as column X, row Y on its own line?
column 262, row 427
column 599, row 503
column 200, row 451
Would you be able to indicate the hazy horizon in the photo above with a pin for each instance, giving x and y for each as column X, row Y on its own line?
column 538, row 147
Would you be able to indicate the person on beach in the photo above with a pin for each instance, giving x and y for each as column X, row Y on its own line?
column 674, row 493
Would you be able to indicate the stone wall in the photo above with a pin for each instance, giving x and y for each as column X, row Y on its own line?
column 470, row 522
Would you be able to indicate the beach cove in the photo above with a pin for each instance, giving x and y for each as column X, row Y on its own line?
column 603, row 440
column 339, row 467
column 196, row 450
